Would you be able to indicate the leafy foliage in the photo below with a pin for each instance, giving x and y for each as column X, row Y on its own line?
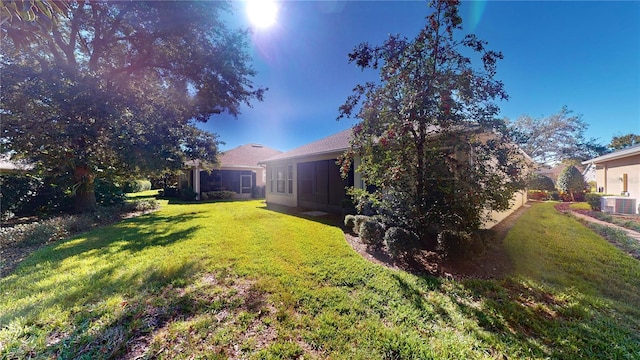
column 60, row 227
column 371, row 232
column 218, row 195
column 555, row 138
column 423, row 136
column 399, row 241
column 571, row 181
column 133, row 186
column 593, row 200
column 114, row 89
column 538, row 195
column 624, row 141
column 540, row 182
column 17, row 191
column 108, row 193
column 458, row 244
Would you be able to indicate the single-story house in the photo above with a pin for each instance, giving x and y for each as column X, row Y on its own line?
column 554, row 172
column 589, row 173
column 239, row 171
column 308, row 177
column 618, row 173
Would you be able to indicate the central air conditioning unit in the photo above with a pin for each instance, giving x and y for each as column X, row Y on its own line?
column 618, row 205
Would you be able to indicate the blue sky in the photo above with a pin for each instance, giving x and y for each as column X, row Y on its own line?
column 585, row 55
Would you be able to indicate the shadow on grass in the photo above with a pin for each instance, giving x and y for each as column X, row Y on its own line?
column 110, row 247
column 326, row 219
column 177, row 201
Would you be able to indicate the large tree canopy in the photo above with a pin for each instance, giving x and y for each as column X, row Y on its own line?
column 555, row 138
column 429, row 139
column 116, row 88
column 622, row 141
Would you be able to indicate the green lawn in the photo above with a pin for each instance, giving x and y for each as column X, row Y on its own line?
column 236, row 280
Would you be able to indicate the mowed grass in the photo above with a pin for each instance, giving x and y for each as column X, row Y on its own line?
column 237, row 280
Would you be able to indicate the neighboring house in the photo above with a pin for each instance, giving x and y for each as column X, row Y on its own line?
column 239, row 171
column 309, row 178
column 618, row 173
column 589, row 173
column 554, row 172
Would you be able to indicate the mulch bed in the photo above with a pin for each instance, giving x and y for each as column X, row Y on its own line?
column 494, row 263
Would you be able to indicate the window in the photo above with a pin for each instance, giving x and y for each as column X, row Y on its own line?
column 280, row 179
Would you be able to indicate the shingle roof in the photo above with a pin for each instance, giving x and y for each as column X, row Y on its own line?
column 247, row 155
column 335, row 143
column 630, row 151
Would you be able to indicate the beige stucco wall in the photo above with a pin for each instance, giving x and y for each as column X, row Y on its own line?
column 275, row 198
column 292, row 199
column 609, row 176
column 519, row 199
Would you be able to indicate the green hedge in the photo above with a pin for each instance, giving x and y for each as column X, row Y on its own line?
column 136, row 186
column 593, row 200
column 218, row 195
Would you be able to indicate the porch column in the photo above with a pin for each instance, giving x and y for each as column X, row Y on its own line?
column 196, row 181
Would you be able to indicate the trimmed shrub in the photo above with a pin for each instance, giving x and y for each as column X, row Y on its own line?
column 141, row 205
column 554, row 195
column 399, row 240
column 458, row 244
column 540, row 182
column 349, row 221
column 169, row 192
column 593, row 200
column 221, row 195
column 371, row 232
column 187, row 194
column 538, row 195
column 358, row 222
column 571, row 181
column 134, row 186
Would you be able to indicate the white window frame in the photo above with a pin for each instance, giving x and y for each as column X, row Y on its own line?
column 281, row 179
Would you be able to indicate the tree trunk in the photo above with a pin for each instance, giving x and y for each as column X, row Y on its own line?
column 84, row 199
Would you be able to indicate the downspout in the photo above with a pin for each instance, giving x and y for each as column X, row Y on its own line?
column 196, row 181
column 605, row 178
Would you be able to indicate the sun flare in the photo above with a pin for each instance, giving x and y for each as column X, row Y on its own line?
column 262, row 13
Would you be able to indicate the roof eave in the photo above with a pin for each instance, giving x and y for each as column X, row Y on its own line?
column 342, row 150
column 614, row 156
